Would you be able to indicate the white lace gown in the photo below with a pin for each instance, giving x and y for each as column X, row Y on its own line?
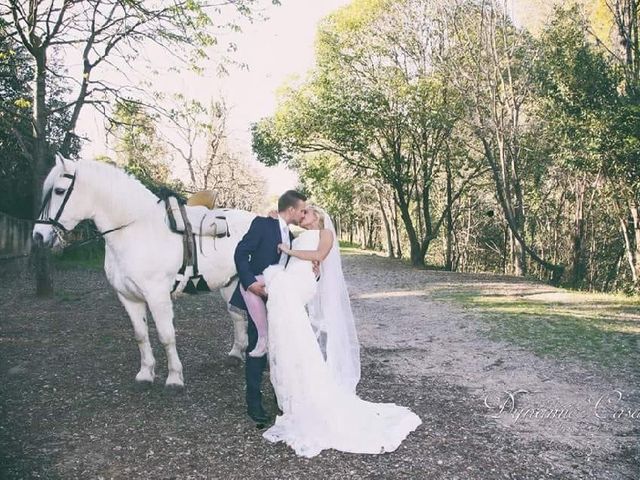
column 318, row 414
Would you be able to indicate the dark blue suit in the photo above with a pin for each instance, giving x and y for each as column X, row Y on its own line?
column 256, row 251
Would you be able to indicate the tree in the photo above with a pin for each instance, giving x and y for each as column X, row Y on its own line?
column 497, row 148
column 15, row 100
column 349, row 196
column 138, row 147
column 376, row 101
column 102, row 30
column 491, row 62
column 623, row 165
column 577, row 95
column 215, row 167
column 590, row 104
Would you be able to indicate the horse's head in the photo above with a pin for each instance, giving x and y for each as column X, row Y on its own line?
column 61, row 208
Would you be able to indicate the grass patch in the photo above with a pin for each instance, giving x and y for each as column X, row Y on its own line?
column 599, row 328
column 91, row 259
column 349, row 245
column 347, row 248
column 65, row 296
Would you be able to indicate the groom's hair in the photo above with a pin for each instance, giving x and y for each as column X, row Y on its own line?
column 290, row 198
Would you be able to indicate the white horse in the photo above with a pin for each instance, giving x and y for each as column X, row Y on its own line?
column 142, row 255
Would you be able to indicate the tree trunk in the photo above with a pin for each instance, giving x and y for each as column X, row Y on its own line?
column 635, row 215
column 387, row 227
column 41, row 166
column 505, row 250
column 520, row 220
column 417, row 260
column 448, row 259
column 578, row 266
column 515, row 266
column 514, row 221
column 371, row 230
column 628, row 248
column 351, row 232
column 464, row 256
column 396, row 229
column 613, row 272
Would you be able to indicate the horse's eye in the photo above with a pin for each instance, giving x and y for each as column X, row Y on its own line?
column 59, row 191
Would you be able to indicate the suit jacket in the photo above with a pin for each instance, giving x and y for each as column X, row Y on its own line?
column 255, row 252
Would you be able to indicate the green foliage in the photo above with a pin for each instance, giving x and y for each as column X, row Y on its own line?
column 594, row 124
column 479, row 138
column 577, row 91
column 139, row 149
column 331, row 184
column 16, row 135
column 378, row 107
column 15, row 102
column 266, row 144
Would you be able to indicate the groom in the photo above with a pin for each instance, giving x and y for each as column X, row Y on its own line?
column 256, row 251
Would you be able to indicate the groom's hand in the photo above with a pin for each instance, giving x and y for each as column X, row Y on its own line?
column 258, row 289
column 284, row 248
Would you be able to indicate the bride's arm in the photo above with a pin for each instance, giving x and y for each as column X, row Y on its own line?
column 324, row 247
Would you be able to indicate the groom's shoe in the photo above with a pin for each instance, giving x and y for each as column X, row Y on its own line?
column 259, row 416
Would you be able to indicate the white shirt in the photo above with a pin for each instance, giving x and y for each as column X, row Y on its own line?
column 284, row 232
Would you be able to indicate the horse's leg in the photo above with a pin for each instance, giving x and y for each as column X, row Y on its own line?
column 137, row 313
column 240, row 339
column 162, row 310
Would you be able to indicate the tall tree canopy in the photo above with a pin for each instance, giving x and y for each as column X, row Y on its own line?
column 494, row 147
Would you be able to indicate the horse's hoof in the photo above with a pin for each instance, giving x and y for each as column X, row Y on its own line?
column 174, row 389
column 143, row 385
column 233, row 362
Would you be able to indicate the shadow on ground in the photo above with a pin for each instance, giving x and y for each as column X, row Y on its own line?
column 70, row 409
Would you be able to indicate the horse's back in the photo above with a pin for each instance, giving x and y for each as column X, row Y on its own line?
column 216, row 255
column 238, row 221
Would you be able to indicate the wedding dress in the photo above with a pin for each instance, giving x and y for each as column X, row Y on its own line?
column 318, row 411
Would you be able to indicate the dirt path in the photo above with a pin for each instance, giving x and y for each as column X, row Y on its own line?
column 69, row 408
column 571, row 413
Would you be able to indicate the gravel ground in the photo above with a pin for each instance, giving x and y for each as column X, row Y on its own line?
column 70, row 409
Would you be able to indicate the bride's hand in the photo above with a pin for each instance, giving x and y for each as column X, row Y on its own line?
column 273, row 214
column 284, row 248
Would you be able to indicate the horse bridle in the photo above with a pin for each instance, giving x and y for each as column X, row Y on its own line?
column 58, row 228
column 55, row 221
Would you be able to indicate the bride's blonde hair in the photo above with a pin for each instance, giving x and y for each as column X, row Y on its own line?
column 319, row 214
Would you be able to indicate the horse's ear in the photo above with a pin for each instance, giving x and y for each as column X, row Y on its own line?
column 61, row 161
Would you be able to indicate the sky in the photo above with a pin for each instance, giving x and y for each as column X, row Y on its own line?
column 275, row 50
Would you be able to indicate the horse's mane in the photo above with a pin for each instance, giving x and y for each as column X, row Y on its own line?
column 124, row 188
column 109, row 173
column 163, row 192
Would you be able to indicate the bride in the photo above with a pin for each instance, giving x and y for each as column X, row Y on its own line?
column 314, row 362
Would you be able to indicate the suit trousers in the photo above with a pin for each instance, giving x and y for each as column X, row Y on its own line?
column 254, row 368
